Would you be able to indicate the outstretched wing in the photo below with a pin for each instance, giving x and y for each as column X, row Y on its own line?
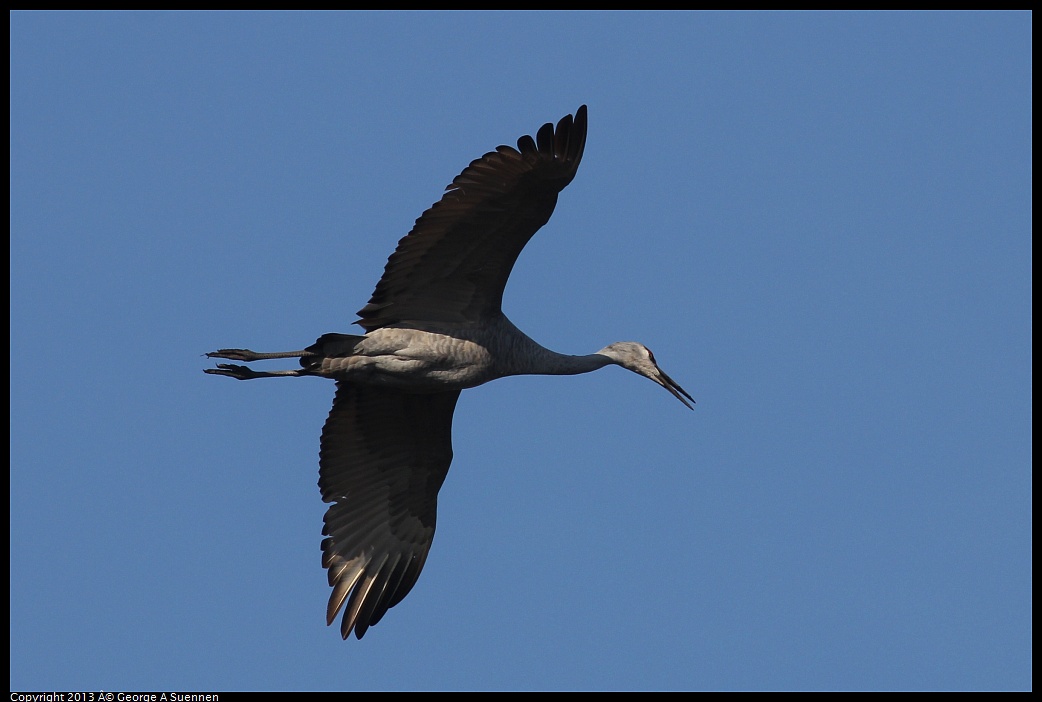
column 454, row 264
column 384, row 456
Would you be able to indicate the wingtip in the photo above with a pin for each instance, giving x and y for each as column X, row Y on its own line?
column 577, row 145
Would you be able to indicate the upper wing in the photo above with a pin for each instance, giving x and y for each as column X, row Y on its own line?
column 383, row 459
column 454, row 264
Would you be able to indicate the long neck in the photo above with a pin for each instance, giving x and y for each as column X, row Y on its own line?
column 522, row 356
column 552, row 363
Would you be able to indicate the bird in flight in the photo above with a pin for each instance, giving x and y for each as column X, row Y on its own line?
column 433, row 327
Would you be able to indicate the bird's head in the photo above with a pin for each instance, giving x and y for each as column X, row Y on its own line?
column 639, row 359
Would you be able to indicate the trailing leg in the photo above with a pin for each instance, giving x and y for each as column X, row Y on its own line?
column 246, row 373
column 327, row 346
column 248, row 356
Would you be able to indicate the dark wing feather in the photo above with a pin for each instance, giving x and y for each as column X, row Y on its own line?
column 384, row 456
column 454, row 264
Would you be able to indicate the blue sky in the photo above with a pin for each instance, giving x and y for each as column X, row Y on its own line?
column 820, row 223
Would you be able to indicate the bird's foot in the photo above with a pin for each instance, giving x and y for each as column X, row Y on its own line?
column 235, row 354
column 232, row 371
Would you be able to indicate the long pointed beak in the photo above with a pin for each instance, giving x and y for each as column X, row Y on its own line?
column 669, row 384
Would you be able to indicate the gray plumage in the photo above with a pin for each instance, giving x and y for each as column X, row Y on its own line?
column 434, row 326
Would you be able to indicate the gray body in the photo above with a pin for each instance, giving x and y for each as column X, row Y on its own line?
column 436, row 357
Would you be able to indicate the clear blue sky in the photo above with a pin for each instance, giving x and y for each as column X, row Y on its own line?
column 820, row 223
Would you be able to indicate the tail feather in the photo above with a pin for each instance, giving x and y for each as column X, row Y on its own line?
column 330, row 345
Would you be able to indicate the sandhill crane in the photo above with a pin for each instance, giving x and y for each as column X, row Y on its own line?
column 432, row 328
